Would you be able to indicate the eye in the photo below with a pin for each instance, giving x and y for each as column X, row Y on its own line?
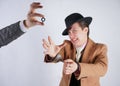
column 69, row 32
column 74, row 31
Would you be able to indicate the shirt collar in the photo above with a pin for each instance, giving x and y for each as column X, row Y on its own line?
column 79, row 49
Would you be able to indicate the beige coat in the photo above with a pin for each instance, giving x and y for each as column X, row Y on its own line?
column 93, row 65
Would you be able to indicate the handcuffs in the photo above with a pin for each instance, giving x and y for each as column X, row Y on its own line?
column 43, row 19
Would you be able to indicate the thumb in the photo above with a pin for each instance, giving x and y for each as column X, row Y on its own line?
column 68, row 61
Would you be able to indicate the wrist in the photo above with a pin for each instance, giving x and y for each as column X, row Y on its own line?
column 77, row 72
column 26, row 23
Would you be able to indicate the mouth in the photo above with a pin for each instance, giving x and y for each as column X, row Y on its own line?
column 74, row 40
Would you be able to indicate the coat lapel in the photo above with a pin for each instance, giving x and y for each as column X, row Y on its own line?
column 87, row 51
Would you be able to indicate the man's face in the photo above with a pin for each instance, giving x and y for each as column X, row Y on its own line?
column 77, row 36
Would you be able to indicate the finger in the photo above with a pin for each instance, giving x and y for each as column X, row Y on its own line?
column 46, row 43
column 69, row 61
column 45, row 46
column 50, row 40
column 31, row 15
column 68, row 68
column 35, row 5
column 68, row 71
column 35, row 22
column 69, row 65
column 38, row 23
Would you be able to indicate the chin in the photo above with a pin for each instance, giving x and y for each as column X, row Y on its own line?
column 75, row 45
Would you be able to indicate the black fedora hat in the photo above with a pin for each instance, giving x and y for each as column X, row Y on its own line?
column 73, row 18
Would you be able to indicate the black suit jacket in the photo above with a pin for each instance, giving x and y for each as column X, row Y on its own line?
column 10, row 33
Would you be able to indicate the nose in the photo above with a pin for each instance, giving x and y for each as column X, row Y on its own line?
column 71, row 35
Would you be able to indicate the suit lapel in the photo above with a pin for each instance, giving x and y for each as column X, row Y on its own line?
column 87, row 51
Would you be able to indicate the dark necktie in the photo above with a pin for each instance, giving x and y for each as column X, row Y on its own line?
column 74, row 81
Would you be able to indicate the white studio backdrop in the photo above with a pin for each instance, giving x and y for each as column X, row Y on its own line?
column 22, row 61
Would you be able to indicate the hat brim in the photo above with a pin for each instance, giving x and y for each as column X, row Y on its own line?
column 88, row 20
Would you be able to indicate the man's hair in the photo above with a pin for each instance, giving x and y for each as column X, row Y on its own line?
column 83, row 24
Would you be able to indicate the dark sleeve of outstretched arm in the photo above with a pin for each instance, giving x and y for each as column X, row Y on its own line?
column 10, row 33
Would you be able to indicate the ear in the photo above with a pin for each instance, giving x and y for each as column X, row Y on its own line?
column 86, row 29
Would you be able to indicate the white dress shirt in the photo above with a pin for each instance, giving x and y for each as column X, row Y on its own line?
column 78, row 55
column 79, row 49
column 22, row 26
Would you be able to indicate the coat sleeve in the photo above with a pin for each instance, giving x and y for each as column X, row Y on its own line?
column 98, row 67
column 10, row 33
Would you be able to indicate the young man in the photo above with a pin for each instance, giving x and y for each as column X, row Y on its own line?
column 14, row 31
column 84, row 60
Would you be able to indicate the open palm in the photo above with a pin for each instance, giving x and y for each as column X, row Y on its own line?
column 50, row 48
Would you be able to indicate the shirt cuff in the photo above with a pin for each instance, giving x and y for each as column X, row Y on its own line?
column 22, row 26
column 57, row 58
